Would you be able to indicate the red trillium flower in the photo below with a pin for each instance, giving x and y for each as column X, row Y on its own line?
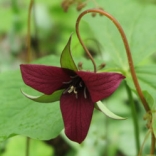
column 80, row 90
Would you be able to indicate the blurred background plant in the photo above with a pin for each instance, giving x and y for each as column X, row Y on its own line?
column 52, row 24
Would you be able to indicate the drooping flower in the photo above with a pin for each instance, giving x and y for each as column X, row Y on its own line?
column 78, row 90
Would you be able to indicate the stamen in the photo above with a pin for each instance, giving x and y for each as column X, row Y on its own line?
column 67, row 82
column 66, row 90
column 76, row 96
column 72, row 88
column 73, row 76
column 85, row 94
column 75, row 90
column 80, row 84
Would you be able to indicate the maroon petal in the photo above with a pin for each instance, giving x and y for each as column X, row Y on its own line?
column 100, row 85
column 45, row 79
column 77, row 114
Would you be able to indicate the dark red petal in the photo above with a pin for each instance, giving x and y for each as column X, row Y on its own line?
column 100, row 85
column 45, row 79
column 77, row 114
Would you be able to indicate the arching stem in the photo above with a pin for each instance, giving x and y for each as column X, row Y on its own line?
column 152, row 143
column 79, row 37
column 127, row 48
column 145, row 139
column 28, row 32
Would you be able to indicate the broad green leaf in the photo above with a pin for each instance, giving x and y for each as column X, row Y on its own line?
column 107, row 112
column 138, row 21
column 66, row 58
column 20, row 115
column 147, row 80
column 45, row 98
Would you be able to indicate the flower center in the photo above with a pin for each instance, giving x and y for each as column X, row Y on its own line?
column 75, row 85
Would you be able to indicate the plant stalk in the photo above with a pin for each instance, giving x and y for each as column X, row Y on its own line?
column 36, row 37
column 145, row 139
column 129, row 57
column 152, row 143
column 29, row 32
column 134, row 117
column 27, row 151
column 127, row 48
column 28, row 60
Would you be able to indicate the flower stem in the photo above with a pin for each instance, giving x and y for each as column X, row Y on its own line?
column 127, row 48
column 27, row 146
column 28, row 60
column 80, row 40
column 152, row 143
column 28, row 32
column 36, row 38
column 145, row 139
column 134, row 116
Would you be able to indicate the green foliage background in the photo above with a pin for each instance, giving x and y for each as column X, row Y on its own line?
column 21, row 116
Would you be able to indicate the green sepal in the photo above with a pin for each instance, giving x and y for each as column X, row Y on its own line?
column 45, row 98
column 100, row 106
column 66, row 59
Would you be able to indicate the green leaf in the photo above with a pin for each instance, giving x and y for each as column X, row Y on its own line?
column 146, row 76
column 107, row 112
column 149, row 98
column 45, row 98
column 66, row 58
column 19, row 115
column 135, row 28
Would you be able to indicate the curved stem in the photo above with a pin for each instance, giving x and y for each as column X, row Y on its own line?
column 84, row 47
column 152, row 143
column 127, row 48
column 145, row 139
column 134, row 117
column 28, row 32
